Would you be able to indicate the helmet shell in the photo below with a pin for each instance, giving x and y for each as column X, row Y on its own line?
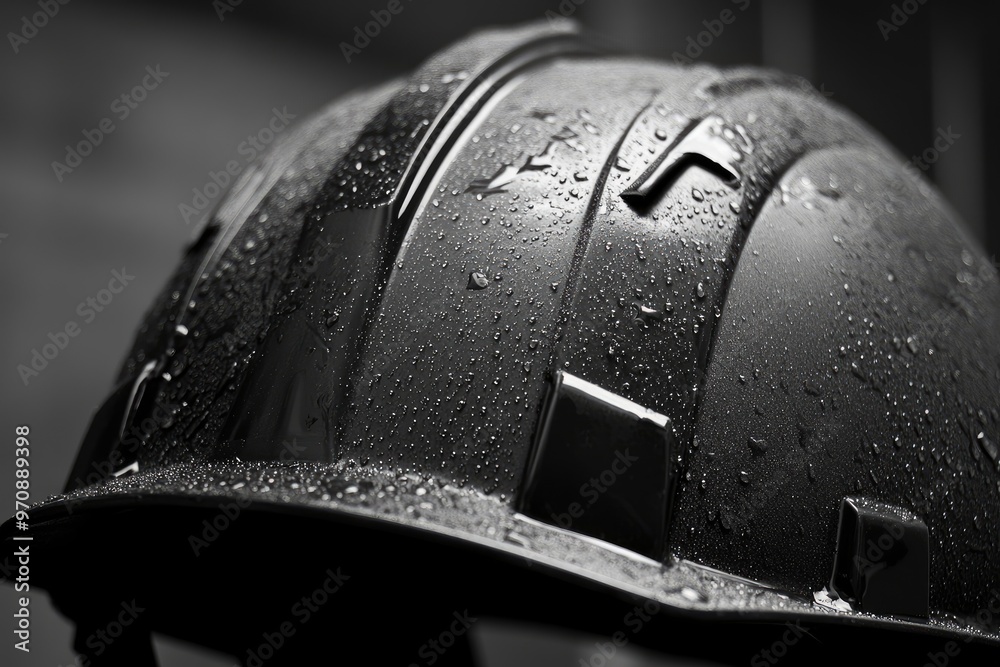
column 691, row 334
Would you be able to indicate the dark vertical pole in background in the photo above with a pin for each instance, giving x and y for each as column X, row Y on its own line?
column 913, row 82
column 787, row 37
column 988, row 80
column 884, row 79
column 911, row 78
column 958, row 110
column 659, row 28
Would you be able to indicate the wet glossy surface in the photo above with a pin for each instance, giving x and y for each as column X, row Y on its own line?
column 600, row 467
column 883, row 559
column 811, row 319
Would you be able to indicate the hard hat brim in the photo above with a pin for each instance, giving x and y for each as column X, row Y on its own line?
column 466, row 518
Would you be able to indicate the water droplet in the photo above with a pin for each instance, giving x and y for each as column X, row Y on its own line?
column 700, row 290
column 988, row 446
column 541, row 161
column 477, row 281
column 758, row 446
column 495, row 183
column 450, row 77
column 567, row 137
column 812, row 388
column 518, row 539
column 692, row 595
column 648, row 315
column 130, row 469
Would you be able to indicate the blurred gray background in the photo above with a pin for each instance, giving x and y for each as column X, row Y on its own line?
column 60, row 240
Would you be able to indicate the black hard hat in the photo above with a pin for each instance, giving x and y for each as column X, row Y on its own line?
column 594, row 328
